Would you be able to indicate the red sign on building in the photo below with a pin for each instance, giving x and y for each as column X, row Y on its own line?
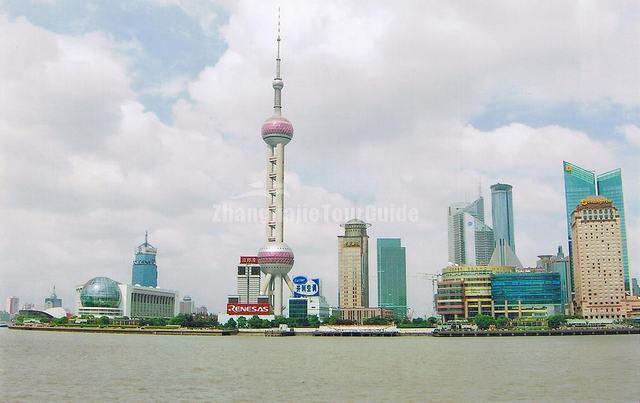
column 248, row 309
column 248, row 259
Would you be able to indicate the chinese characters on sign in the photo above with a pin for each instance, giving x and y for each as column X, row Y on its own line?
column 304, row 287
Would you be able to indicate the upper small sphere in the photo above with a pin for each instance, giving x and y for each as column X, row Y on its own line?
column 100, row 292
column 276, row 258
column 277, row 130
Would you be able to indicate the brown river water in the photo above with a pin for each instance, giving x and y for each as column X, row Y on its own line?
column 51, row 366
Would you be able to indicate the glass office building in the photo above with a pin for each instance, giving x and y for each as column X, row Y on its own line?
column 392, row 276
column 580, row 183
column 502, row 214
column 298, row 308
column 145, row 271
column 609, row 185
column 527, row 288
column 470, row 239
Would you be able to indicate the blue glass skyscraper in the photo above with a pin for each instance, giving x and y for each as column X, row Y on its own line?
column 609, row 185
column 502, row 214
column 580, row 183
column 145, row 270
column 504, row 253
column 392, row 276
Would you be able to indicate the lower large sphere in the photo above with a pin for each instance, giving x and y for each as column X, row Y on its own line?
column 275, row 258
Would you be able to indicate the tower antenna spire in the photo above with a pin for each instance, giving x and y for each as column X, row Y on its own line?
column 277, row 81
column 278, row 41
column 146, row 236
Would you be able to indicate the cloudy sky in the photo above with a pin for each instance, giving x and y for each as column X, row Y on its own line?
column 120, row 117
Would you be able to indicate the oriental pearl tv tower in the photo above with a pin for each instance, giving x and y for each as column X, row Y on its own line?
column 276, row 257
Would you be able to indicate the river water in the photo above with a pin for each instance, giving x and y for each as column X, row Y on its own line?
column 50, row 366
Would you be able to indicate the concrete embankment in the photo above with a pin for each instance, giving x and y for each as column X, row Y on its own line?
column 169, row 332
column 551, row 332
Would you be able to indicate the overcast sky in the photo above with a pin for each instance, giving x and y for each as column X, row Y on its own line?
column 119, row 117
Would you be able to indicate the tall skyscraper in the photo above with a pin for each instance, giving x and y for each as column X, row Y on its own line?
column 52, row 301
column 580, row 183
column 13, row 305
column 276, row 257
column 597, row 259
column 353, row 265
column 502, row 214
column 504, row 253
column 470, row 239
column 145, row 271
column 392, row 276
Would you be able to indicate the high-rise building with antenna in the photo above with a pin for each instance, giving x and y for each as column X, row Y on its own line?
column 52, row 301
column 145, row 271
column 276, row 257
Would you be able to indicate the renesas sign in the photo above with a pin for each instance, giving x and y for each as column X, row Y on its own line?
column 249, row 309
column 305, row 287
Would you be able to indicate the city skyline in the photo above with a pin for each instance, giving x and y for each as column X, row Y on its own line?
column 128, row 141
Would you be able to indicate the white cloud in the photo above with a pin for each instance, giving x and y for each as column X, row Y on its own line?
column 632, row 134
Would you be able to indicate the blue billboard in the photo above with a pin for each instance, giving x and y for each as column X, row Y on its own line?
column 305, row 287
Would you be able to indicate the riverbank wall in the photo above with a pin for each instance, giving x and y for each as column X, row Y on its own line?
column 169, row 332
column 550, row 332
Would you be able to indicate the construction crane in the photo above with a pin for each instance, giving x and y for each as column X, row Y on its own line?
column 434, row 285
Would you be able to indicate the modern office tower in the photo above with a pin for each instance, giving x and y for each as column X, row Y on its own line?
column 502, row 214
column 13, row 305
column 145, row 271
column 249, row 277
column 52, row 301
column 504, row 253
column 392, row 276
column 580, row 183
column 187, row 305
column 635, row 287
column 597, row 260
column 353, row 265
column 276, row 257
column 470, row 239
